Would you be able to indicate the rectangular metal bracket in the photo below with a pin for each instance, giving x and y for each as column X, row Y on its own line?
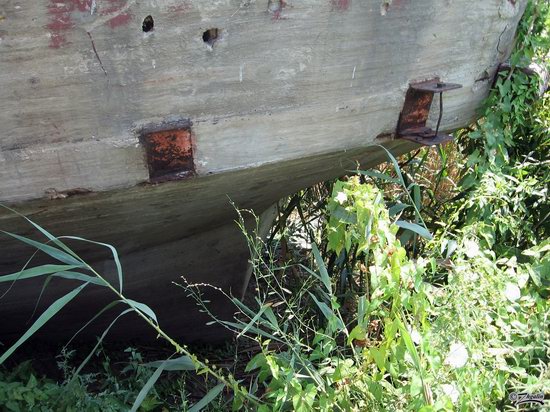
column 169, row 151
column 416, row 109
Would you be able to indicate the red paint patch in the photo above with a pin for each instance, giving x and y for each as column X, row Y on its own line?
column 279, row 6
column 340, row 5
column 120, row 20
column 180, row 8
column 114, row 8
column 397, row 4
column 61, row 19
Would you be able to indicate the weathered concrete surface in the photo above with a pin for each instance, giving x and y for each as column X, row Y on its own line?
column 162, row 232
column 79, row 77
column 270, row 106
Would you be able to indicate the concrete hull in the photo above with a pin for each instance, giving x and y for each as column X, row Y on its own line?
column 195, row 236
column 137, row 131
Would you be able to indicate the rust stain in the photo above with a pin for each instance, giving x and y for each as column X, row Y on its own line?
column 416, row 109
column 169, row 154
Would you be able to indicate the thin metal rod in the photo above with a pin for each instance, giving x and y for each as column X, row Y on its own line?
column 440, row 113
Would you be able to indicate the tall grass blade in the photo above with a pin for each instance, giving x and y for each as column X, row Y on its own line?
column 416, row 359
column 147, row 387
column 402, row 180
column 67, row 275
column 183, row 363
column 362, row 310
column 49, row 250
column 113, row 252
column 51, row 237
column 325, row 278
column 97, row 315
column 35, row 272
column 379, row 175
column 209, row 397
column 85, row 361
column 327, row 312
column 252, row 321
column 44, row 317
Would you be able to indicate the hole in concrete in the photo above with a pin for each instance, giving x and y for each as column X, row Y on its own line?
column 148, row 24
column 210, row 36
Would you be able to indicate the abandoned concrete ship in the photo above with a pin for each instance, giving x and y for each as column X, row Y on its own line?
column 134, row 123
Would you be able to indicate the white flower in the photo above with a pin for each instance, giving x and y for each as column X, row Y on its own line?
column 458, row 355
column 512, row 292
column 415, row 336
column 451, row 391
column 341, row 197
column 471, row 248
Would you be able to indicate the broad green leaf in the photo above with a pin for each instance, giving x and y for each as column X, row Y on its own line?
column 397, row 208
column 357, row 333
column 379, row 356
column 414, row 227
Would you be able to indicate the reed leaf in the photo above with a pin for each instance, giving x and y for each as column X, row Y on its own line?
column 44, row 317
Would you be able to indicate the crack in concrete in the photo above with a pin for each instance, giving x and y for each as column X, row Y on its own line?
column 96, row 53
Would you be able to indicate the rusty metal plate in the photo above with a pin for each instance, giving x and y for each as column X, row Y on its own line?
column 435, row 86
column 429, row 141
column 169, row 154
column 416, row 109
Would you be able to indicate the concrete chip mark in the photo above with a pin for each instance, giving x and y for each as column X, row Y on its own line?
column 508, row 9
column 211, row 36
column 54, row 194
column 148, row 24
column 385, row 7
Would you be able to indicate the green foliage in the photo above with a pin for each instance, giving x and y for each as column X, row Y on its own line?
column 21, row 390
column 384, row 316
column 460, row 326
